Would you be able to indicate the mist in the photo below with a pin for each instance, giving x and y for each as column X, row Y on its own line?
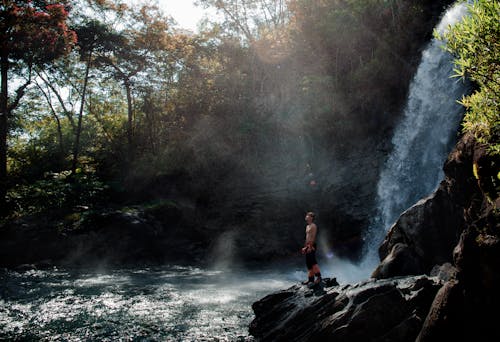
column 307, row 130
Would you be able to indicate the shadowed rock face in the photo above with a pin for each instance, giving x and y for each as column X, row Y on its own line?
column 457, row 225
column 463, row 308
column 426, row 234
column 387, row 310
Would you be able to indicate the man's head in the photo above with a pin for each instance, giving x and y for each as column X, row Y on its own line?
column 310, row 217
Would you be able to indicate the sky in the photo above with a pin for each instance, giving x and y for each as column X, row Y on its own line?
column 185, row 13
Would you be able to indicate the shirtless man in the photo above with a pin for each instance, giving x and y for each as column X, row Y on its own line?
column 309, row 250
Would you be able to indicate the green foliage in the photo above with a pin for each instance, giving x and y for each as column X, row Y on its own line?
column 476, row 45
column 32, row 34
column 58, row 191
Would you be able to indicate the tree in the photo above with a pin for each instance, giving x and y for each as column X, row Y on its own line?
column 251, row 19
column 32, row 33
column 94, row 38
column 133, row 50
column 475, row 43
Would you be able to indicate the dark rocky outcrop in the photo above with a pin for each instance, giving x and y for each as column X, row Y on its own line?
column 375, row 310
column 425, row 234
column 464, row 307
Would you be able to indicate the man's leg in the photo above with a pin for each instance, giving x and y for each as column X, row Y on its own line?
column 310, row 269
column 316, row 272
column 310, row 277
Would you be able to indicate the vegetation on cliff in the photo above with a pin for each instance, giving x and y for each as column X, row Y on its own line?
column 476, row 46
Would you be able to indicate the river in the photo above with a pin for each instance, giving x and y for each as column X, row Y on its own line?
column 171, row 303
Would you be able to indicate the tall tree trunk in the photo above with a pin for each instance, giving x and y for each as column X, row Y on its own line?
column 56, row 117
column 59, row 135
column 130, row 128
column 152, row 132
column 3, row 132
column 76, row 148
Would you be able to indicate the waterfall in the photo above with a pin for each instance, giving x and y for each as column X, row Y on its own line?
column 423, row 139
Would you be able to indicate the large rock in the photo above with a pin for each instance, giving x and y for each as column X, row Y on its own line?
column 464, row 308
column 425, row 234
column 458, row 224
column 375, row 310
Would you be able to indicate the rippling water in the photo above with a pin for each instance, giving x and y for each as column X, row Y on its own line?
column 150, row 304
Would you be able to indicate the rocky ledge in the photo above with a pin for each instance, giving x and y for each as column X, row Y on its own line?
column 438, row 279
column 374, row 310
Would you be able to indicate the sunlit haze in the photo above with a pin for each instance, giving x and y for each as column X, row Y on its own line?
column 184, row 12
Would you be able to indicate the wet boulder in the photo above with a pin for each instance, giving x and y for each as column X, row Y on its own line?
column 374, row 310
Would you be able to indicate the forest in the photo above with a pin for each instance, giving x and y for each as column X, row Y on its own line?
column 253, row 120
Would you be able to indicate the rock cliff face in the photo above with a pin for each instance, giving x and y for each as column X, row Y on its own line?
column 453, row 236
column 425, row 234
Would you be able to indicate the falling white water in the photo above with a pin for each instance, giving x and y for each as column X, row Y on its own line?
column 423, row 139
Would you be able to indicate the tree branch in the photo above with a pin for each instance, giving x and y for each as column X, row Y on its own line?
column 54, row 114
column 19, row 94
column 59, row 98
